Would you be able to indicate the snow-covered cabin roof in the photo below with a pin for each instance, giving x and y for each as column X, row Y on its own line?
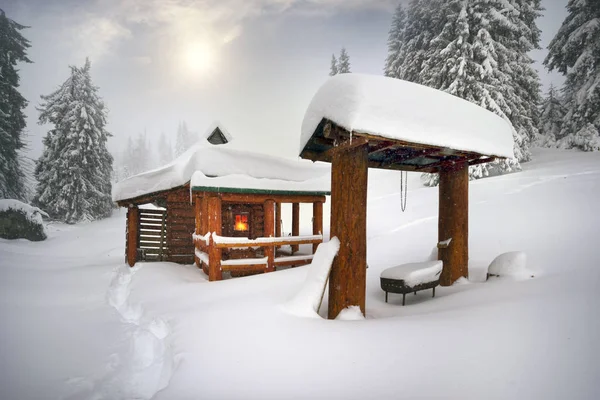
column 397, row 110
column 222, row 169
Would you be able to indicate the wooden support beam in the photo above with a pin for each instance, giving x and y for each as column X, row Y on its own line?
column 269, row 208
column 278, row 220
column 381, row 146
column 295, row 224
column 317, row 222
column 133, row 234
column 482, row 160
column 454, row 222
column 347, row 144
column 198, row 200
column 347, row 282
column 214, row 225
column 261, row 198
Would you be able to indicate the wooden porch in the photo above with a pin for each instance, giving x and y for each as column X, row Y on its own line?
column 266, row 249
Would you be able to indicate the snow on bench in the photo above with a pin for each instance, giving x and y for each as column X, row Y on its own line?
column 407, row 278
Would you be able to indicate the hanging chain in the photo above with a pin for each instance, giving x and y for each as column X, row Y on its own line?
column 403, row 189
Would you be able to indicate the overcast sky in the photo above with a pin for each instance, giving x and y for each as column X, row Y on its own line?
column 253, row 65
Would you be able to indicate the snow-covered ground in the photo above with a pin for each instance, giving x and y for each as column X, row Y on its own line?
column 78, row 324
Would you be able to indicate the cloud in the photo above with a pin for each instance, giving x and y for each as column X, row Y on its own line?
column 106, row 24
column 96, row 36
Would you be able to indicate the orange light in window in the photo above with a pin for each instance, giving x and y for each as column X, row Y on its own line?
column 241, row 222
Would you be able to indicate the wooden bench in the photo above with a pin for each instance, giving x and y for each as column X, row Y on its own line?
column 411, row 278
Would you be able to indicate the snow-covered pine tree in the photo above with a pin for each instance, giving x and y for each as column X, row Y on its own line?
column 396, row 53
column 165, row 150
column 75, row 168
column 343, row 65
column 184, row 139
column 575, row 52
column 13, row 49
column 142, row 157
column 551, row 119
column 477, row 50
column 333, row 68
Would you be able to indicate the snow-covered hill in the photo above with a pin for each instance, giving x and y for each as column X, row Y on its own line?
column 78, row 324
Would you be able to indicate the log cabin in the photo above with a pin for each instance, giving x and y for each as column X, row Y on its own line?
column 356, row 122
column 221, row 207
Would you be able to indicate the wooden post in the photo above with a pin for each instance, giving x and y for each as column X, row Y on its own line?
column 198, row 214
column 453, row 222
column 349, row 175
column 214, row 225
column 269, row 207
column 295, row 224
column 317, row 221
column 277, row 221
column 133, row 230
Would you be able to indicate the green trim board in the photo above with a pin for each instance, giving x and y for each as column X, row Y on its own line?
column 215, row 189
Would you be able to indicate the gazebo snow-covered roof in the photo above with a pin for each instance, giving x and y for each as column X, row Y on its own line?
column 219, row 168
column 395, row 115
column 357, row 122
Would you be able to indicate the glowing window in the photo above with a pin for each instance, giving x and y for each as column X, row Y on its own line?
column 241, row 222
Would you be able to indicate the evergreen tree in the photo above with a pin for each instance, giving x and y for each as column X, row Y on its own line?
column 575, row 52
column 165, row 150
column 476, row 50
column 75, row 168
column 333, row 69
column 184, row 139
column 13, row 49
column 551, row 119
column 343, row 66
column 396, row 53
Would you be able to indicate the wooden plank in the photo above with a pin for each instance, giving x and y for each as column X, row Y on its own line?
column 244, row 268
column 150, row 237
column 347, row 282
column 151, row 217
column 282, row 242
column 146, row 243
column 214, row 225
column 317, row 222
column 269, row 208
column 297, row 263
column 295, row 224
column 149, row 226
column 132, row 234
column 151, row 211
column 453, row 222
column 261, row 198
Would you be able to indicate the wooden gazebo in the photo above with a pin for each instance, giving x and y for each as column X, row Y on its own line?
column 222, row 207
column 356, row 122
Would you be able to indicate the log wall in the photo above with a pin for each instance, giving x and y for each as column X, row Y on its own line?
column 181, row 223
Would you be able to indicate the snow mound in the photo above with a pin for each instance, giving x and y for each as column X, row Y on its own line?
column 306, row 302
column 396, row 109
column 351, row 313
column 414, row 274
column 512, row 264
column 20, row 220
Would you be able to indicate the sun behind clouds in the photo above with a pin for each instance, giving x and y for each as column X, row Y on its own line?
column 199, row 58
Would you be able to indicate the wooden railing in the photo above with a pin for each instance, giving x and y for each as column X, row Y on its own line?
column 209, row 246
